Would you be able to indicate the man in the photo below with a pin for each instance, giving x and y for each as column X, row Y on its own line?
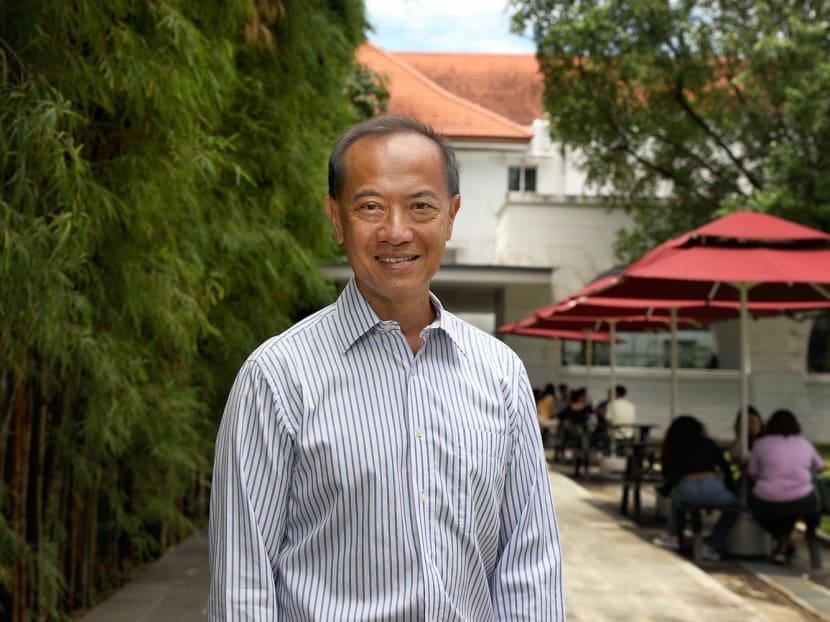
column 621, row 413
column 381, row 459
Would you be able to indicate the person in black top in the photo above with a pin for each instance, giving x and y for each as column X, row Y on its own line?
column 573, row 426
column 578, row 410
column 695, row 471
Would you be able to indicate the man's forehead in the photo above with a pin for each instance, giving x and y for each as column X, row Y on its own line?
column 366, row 146
column 376, row 141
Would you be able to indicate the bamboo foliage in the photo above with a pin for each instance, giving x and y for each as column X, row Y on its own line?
column 160, row 213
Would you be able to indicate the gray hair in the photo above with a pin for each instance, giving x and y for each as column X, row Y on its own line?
column 383, row 126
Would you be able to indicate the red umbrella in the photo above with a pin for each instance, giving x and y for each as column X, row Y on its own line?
column 745, row 258
column 779, row 261
column 557, row 333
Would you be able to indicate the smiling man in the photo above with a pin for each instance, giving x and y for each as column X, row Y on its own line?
column 380, row 460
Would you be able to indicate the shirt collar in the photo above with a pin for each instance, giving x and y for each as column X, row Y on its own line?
column 356, row 318
column 446, row 322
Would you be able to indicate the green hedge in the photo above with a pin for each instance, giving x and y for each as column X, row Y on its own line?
column 163, row 168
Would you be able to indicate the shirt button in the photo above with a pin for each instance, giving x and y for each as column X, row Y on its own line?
column 412, row 372
column 419, row 432
column 424, row 496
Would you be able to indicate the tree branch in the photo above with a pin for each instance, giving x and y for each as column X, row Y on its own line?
column 701, row 123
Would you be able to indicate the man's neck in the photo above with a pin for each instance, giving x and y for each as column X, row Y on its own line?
column 412, row 315
column 413, row 322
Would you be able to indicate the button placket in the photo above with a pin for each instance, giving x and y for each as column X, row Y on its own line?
column 422, row 473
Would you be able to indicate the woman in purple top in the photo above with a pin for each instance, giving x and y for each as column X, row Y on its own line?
column 781, row 465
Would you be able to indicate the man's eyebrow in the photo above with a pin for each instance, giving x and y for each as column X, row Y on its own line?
column 368, row 192
column 371, row 192
column 429, row 194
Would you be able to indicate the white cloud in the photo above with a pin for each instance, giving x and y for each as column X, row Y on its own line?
column 444, row 26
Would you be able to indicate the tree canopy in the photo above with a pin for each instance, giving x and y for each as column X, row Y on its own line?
column 162, row 168
column 711, row 105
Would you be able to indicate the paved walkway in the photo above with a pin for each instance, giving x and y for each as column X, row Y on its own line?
column 174, row 589
column 610, row 571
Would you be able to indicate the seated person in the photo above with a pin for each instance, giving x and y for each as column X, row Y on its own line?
column 755, row 427
column 695, row 471
column 573, row 419
column 600, row 437
column 621, row 413
column 546, row 411
column 564, row 397
column 781, row 466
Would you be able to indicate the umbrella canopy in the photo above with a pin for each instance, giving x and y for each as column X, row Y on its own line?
column 557, row 333
column 745, row 258
column 779, row 261
column 625, row 324
column 657, row 310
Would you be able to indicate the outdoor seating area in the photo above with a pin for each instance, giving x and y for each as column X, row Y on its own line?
column 638, row 485
column 738, row 266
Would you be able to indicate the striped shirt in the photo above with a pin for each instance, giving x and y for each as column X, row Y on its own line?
column 355, row 480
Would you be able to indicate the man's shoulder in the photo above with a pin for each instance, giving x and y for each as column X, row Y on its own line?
column 319, row 327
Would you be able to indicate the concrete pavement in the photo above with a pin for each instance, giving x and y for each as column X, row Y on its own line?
column 174, row 589
column 611, row 572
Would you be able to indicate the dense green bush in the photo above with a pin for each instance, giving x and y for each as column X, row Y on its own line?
column 162, row 168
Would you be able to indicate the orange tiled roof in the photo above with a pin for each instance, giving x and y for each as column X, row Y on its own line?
column 413, row 93
column 508, row 84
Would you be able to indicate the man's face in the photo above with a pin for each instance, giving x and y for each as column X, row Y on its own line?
column 394, row 217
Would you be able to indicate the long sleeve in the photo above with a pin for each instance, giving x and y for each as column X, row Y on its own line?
column 527, row 584
column 251, row 483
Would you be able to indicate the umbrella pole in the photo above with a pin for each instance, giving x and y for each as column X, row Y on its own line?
column 613, row 356
column 589, row 359
column 673, row 363
column 743, row 288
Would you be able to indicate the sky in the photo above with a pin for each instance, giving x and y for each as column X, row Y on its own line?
column 444, row 26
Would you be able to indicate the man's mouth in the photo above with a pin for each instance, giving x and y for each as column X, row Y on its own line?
column 397, row 259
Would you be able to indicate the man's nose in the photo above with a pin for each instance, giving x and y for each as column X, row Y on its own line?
column 396, row 227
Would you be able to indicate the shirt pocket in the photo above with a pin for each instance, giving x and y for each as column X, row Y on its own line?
column 481, row 461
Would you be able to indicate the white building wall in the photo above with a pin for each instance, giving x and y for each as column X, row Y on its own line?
column 540, row 356
column 484, row 176
column 483, row 184
column 816, row 420
column 572, row 235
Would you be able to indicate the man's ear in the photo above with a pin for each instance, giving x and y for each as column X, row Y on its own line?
column 333, row 211
column 455, row 205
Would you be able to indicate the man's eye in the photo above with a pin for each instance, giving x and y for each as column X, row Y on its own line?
column 370, row 207
column 421, row 206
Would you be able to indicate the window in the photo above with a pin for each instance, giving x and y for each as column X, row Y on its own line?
column 521, row 178
column 696, row 349
column 818, row 352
